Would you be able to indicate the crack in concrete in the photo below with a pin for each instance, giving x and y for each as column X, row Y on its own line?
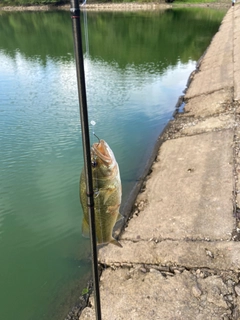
column 236, row 152
column 159, row 240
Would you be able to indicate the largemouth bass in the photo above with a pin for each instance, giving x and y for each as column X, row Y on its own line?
column 107, row 193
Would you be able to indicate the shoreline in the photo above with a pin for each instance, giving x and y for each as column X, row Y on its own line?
column 93, row 7
column 132, row 6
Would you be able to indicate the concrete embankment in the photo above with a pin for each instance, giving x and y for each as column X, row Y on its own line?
column 181, row 251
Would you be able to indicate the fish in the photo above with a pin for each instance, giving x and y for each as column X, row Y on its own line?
column 107, row 193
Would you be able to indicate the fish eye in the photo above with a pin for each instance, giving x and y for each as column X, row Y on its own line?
column 94, row 163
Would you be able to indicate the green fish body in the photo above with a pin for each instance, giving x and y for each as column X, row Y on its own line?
column 107, row 193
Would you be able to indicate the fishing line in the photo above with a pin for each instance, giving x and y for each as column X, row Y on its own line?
column 85, row 24
column 86, row 30
column 96, row 137
column 85, row 27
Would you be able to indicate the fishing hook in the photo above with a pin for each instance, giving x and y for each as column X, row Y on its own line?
column 97, row 137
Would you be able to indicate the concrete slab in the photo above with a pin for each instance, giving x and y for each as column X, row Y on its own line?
column 236, row 12
column 211, row 80
column 135, row 295
column 187, row 126
column 236, row 45
column 220, row 51
column 189, row 193
column 221, row 45
column 224, row 121
column 237, row 85
column 236, row 65
column 216, row 69
column 228, row 18
column 217, row 255
column 208, row 105
column 223, row 59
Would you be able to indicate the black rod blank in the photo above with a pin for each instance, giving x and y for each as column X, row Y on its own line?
column 77, row 37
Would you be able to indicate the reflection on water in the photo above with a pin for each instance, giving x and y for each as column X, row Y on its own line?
column 133, row 82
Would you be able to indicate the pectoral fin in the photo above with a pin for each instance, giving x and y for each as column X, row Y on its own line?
column 107, row 193
column 85, row 229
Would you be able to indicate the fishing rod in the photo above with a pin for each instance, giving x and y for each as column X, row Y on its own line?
column 77, row 37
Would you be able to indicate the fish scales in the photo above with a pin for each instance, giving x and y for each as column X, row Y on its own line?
column 107, row 193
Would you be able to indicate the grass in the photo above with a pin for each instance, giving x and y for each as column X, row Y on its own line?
column 193, row 1
column 60, row 2
column 30, row 2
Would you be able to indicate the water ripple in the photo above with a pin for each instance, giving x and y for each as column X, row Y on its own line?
column 40, row 137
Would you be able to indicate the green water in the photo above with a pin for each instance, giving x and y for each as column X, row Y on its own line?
column 136, row 64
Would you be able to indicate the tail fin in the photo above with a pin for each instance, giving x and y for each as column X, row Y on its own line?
column 114, row 241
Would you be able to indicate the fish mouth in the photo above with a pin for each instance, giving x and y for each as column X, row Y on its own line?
column 103, row 151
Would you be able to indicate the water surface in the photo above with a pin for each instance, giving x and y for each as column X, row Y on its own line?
column 136, row 64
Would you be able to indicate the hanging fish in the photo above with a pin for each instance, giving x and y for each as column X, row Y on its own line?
column 107, row 193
